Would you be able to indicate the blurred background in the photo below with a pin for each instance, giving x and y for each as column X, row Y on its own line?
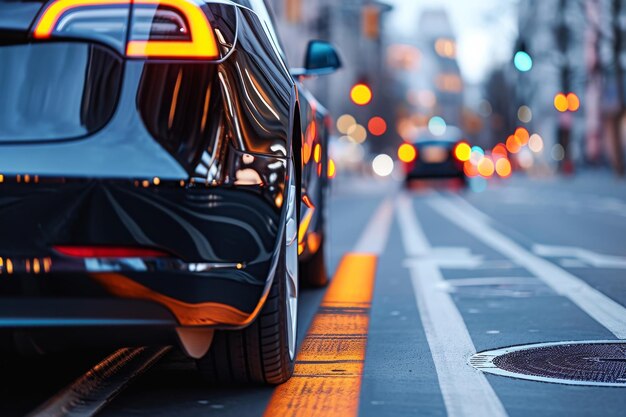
column 536, row 83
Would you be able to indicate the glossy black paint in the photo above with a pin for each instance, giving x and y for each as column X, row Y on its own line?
column 187, row 157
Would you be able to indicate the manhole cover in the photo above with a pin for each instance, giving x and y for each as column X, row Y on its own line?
column 599, row 363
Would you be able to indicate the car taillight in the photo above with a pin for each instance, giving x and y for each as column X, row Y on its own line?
column 462, row 151
column 407, row 153
column 158, row 28
column 108, row 252
column 170, row 29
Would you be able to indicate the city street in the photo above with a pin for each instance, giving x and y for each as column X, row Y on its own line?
column 312, row 208
column 423, row 279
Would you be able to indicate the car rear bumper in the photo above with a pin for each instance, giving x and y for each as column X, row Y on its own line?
column 441, row 170
column 221, row 245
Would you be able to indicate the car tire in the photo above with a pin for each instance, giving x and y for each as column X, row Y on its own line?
column 264, row 352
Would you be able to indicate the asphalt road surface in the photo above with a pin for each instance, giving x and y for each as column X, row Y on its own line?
column 424, row 279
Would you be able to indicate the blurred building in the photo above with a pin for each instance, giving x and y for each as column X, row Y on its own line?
column 428, row 79
column 577, row 47
column 439, row 72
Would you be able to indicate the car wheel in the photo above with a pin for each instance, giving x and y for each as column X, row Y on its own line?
column 265, row 351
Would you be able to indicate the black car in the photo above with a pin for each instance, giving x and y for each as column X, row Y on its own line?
column 162, row 177
column 436, row 156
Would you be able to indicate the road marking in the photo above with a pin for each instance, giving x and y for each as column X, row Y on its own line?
column 329, row 365
column 374, row 237
column 465, row 392
column 601, row 308
column 87, row 395
column 586, row 257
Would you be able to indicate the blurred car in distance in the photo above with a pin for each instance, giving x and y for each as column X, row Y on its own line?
column 433, row 156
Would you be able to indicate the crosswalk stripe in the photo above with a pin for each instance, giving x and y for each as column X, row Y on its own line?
column 329, row 365
column 465, row 391
column 601, row 308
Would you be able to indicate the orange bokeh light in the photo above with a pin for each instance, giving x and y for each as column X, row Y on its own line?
column 317, row 153
column 407, row 153
column 377, row 126
column 513, row 144
column 573, row 102
column 522, row 135
column 361, row 94
column 485, row 167
column 560, row 102
column 332, row 170
column 470, row 169
column 462, row 152
column 503, row 167
column 499, row 151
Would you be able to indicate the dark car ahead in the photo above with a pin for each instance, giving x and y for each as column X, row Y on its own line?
column 436, row 156
column 162, row 177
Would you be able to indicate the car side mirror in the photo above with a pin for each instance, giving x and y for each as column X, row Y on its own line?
column 321, row 59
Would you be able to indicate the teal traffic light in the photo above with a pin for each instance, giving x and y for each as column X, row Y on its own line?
column 522, row 61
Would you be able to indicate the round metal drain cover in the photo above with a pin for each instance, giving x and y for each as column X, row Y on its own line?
column 599, row 363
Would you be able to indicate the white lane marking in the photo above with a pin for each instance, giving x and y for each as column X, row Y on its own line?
column 465, row 391
column 586, row 256
column 374, row 238
column 486, row 281
column 601, row 308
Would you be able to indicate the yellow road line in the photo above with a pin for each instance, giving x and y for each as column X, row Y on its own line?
column 329, row 366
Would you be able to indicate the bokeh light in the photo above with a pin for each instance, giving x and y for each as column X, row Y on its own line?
column 382, row 165
column 535, row 143
column 486, row 167
column 317, row 153
column 524, row 114
column 477, row 154
column 462, row 152
column 377, row 126
column 437, row 126
column 525, row 159
column 345, row 122
column 470, row 169
column 573, row 102
column 407, row 153
column 522, row 61
column 558, row 153
column 523, row 135
column 499, row 151
column 513, row 144
column 361, row 94
column 445, row 48
column 560, row 102
column 358, row 133
column 332, row 169
column 503, row 167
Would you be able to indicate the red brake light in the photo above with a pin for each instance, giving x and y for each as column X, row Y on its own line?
column 158, row 28
column 108, row 252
